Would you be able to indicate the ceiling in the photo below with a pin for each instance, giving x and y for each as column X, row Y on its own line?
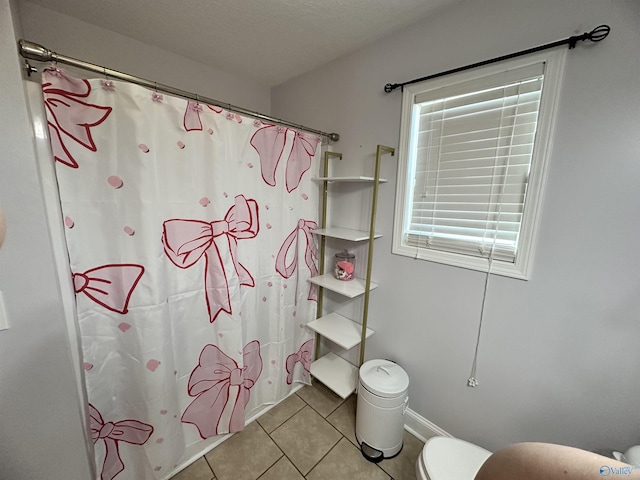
column 269, row 41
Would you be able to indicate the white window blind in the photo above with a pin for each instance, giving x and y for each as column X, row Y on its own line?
column 471, row 150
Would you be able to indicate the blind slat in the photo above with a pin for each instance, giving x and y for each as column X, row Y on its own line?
column 509, row 77
column 472, row 149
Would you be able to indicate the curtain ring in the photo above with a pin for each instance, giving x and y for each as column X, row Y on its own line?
column 54, row 62
column 104, row 72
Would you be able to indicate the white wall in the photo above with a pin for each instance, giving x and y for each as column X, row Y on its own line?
column 560, row 353
column 75, row 38
column 41, row 420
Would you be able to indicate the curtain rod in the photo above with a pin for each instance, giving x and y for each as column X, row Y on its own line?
column 597, row 34
column 34, row 51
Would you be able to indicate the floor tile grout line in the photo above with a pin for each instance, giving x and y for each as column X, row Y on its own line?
column 271, row 466
column 324, row 456
column 333, row 426
column 277, row 446
column 331, row 412
column 296, row 394
column 307, row 405
column 323, row 418
column 327, row 421
column 286, row 456
column 376, row 464
column 293, row 464
column 285, row 421
column 209, row 465
column 337, row 407
column 344, row 436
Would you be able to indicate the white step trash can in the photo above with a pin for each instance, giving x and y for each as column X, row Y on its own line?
column 382, row 403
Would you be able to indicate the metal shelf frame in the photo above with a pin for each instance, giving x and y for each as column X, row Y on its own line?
column 366, row 236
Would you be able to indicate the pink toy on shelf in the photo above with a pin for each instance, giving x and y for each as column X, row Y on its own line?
column 345, row 265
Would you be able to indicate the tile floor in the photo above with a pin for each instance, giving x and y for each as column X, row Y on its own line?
column 310, row 435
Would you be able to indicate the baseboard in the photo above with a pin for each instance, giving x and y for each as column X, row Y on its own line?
column 422, row 428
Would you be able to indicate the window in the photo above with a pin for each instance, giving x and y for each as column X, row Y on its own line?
column 473, row 155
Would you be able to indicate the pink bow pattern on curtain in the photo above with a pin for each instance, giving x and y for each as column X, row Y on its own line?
column 269, row 142
column 67, row 115
column 192, row 116
column 129, row 431
column 211, row 381
column 310, row 253
column 304, row 355
column 186, row 241
column 110, row 285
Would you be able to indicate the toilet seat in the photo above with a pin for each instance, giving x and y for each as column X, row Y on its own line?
column 445, row 458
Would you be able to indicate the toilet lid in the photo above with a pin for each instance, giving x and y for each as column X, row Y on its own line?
column 448, row 458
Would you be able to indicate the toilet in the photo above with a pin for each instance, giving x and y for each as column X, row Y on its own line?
column 446, row 458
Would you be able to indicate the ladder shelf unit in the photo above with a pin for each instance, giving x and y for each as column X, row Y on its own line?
column 331, row 369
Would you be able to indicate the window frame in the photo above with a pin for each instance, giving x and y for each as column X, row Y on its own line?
column 522, row 266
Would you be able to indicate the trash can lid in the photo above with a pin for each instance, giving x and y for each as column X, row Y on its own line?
column 384, row 378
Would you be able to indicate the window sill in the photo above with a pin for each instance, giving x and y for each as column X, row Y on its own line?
column 505, row 269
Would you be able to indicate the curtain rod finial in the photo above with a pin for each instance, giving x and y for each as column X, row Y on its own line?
column 599, row 33
column 34, row 51
column 334, row 137
column 388, row 88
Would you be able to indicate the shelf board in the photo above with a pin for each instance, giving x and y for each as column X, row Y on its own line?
column 346, row 234
column 340, row 330
column 349, row 179
column 336, row 373
column 350, row 288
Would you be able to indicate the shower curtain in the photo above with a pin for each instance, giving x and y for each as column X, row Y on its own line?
column 188, row 229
